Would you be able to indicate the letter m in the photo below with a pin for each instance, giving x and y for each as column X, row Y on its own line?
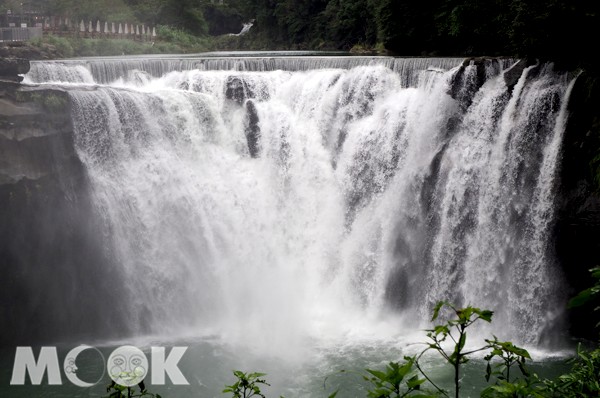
column 25, row 362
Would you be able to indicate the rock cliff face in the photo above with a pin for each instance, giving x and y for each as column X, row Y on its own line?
column 26, row 51
column 578, row 227
column 55, row 274
column 10, row 68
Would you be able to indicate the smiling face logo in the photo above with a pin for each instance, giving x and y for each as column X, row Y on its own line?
column 127, row 366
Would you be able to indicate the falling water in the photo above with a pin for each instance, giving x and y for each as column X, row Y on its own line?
column 108, row 70
column 275, row 204
column 245, row 29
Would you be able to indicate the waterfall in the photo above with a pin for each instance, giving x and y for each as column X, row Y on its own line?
column 272, row 199
column 245, row 29
column 108, row 70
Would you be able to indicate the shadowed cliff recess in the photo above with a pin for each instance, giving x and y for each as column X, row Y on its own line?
column 49, row 240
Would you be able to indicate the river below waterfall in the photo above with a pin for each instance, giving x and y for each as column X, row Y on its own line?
column 325, row 367
column 300, row 214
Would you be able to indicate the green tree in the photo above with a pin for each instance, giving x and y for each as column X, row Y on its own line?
column 349, row 22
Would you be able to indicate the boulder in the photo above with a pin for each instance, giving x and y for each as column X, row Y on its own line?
column 237, row 89
column 11, row 68
column 252, row 129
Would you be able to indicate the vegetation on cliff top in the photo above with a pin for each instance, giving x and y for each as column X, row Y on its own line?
column 552, row 29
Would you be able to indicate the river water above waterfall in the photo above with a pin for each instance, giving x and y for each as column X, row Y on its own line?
column 313, row 209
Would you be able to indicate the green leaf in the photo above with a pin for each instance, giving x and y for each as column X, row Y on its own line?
column 464, row 314
column 462, row 341
column 436, row 309
column 441, row 329
column 486, row 315
column 380, row 375
column 580, row 299
column 414, row 382
column 404, row 369
column 256, row 375
column 452, row 358
column 239, row 374
column 524, row 369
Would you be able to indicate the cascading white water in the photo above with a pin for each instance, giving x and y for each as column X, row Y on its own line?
column 245, row 29
column 271, row 206
column 107, row 70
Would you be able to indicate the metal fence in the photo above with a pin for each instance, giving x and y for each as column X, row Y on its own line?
column 19, row 34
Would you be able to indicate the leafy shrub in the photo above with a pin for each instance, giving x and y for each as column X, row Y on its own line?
column 183, row 39
column 119, row 391
column 398, row 380
column 247, row 385
column 582, row 381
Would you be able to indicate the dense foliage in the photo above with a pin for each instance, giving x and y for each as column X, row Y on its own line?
column 553, row 29
column 547, row 29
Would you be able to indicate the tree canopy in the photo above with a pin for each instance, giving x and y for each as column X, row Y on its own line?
column 557, row 29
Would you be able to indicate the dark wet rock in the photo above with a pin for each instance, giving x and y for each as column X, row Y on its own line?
column 513, row 74
column 464, row 85
column 28, row 51
column 237, row 89
column 11, row 68
column 577, row 231
column 53, row 266
column 252, row 129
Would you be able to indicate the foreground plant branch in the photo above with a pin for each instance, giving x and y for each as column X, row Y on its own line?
column 401, row 379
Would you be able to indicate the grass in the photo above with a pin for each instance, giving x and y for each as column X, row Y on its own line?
column 169, row 41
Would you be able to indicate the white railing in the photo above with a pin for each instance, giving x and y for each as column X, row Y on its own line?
column 98, row 29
